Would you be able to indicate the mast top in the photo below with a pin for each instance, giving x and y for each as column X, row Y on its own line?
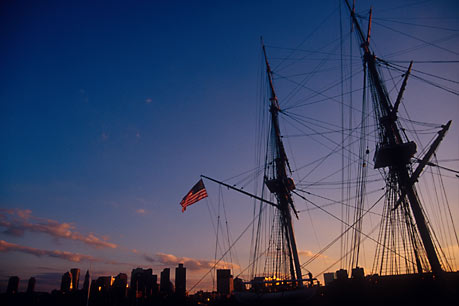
column 273, row 98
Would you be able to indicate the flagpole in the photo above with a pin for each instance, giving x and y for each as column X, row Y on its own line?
column 240, row 190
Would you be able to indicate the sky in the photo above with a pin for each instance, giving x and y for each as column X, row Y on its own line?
column 111, row 110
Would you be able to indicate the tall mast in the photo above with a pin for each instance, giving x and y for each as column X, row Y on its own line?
column 392, row 151
column 281, row 185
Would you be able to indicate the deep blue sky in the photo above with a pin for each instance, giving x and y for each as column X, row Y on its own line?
column 110, row 111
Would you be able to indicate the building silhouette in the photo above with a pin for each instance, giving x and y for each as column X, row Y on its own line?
column 66, row 282
column 224, row 282
column 238, row 284
column 180, row 280
column 143, row 283
column 154, row 284
column 104, row 283
column 329, row 277
column 31, row 285
column 87, row 281
column 75, row 278
column 358, row 273
column 119, row 287
column 101, row 286
column 13, row 285
column 341, row 274
column 165, row 286
column 100, row 291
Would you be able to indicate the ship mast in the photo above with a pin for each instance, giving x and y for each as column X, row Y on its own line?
column 280, row 184
column 395, row 153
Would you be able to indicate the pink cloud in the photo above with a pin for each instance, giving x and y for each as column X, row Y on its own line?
column 189, row 263
column 73, row 257
column 19, row 221
column 69, row 256
column 24, row 213
column 312, row 254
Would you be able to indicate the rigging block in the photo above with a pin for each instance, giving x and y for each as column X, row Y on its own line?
column 276, row 185
column 394, row 154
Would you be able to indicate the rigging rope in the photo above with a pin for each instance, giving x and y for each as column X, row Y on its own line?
column 417, row 38
column 351, row 226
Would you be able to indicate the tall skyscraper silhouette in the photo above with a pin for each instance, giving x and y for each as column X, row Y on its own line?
column 224, row 281
column 180, row 280
column 75, row 278
column 13, row 285
column 165, row 286
column 86, row 287
column 31, row 285
column 66, row 282
column 87, row 281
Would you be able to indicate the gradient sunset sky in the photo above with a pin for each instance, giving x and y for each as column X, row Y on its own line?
column 110, row 111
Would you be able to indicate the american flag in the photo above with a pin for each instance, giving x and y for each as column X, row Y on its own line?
column 197, row 193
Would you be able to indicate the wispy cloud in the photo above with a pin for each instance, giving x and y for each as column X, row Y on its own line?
column 189, row 263
column 141, row 211
column 17, row 221
column 69, row 256
column 309, row 253
column 73, row 257
column 148, row 100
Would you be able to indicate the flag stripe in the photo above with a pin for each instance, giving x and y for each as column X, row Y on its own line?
column 193, row 198
column 197, row 193
column 190, row 197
